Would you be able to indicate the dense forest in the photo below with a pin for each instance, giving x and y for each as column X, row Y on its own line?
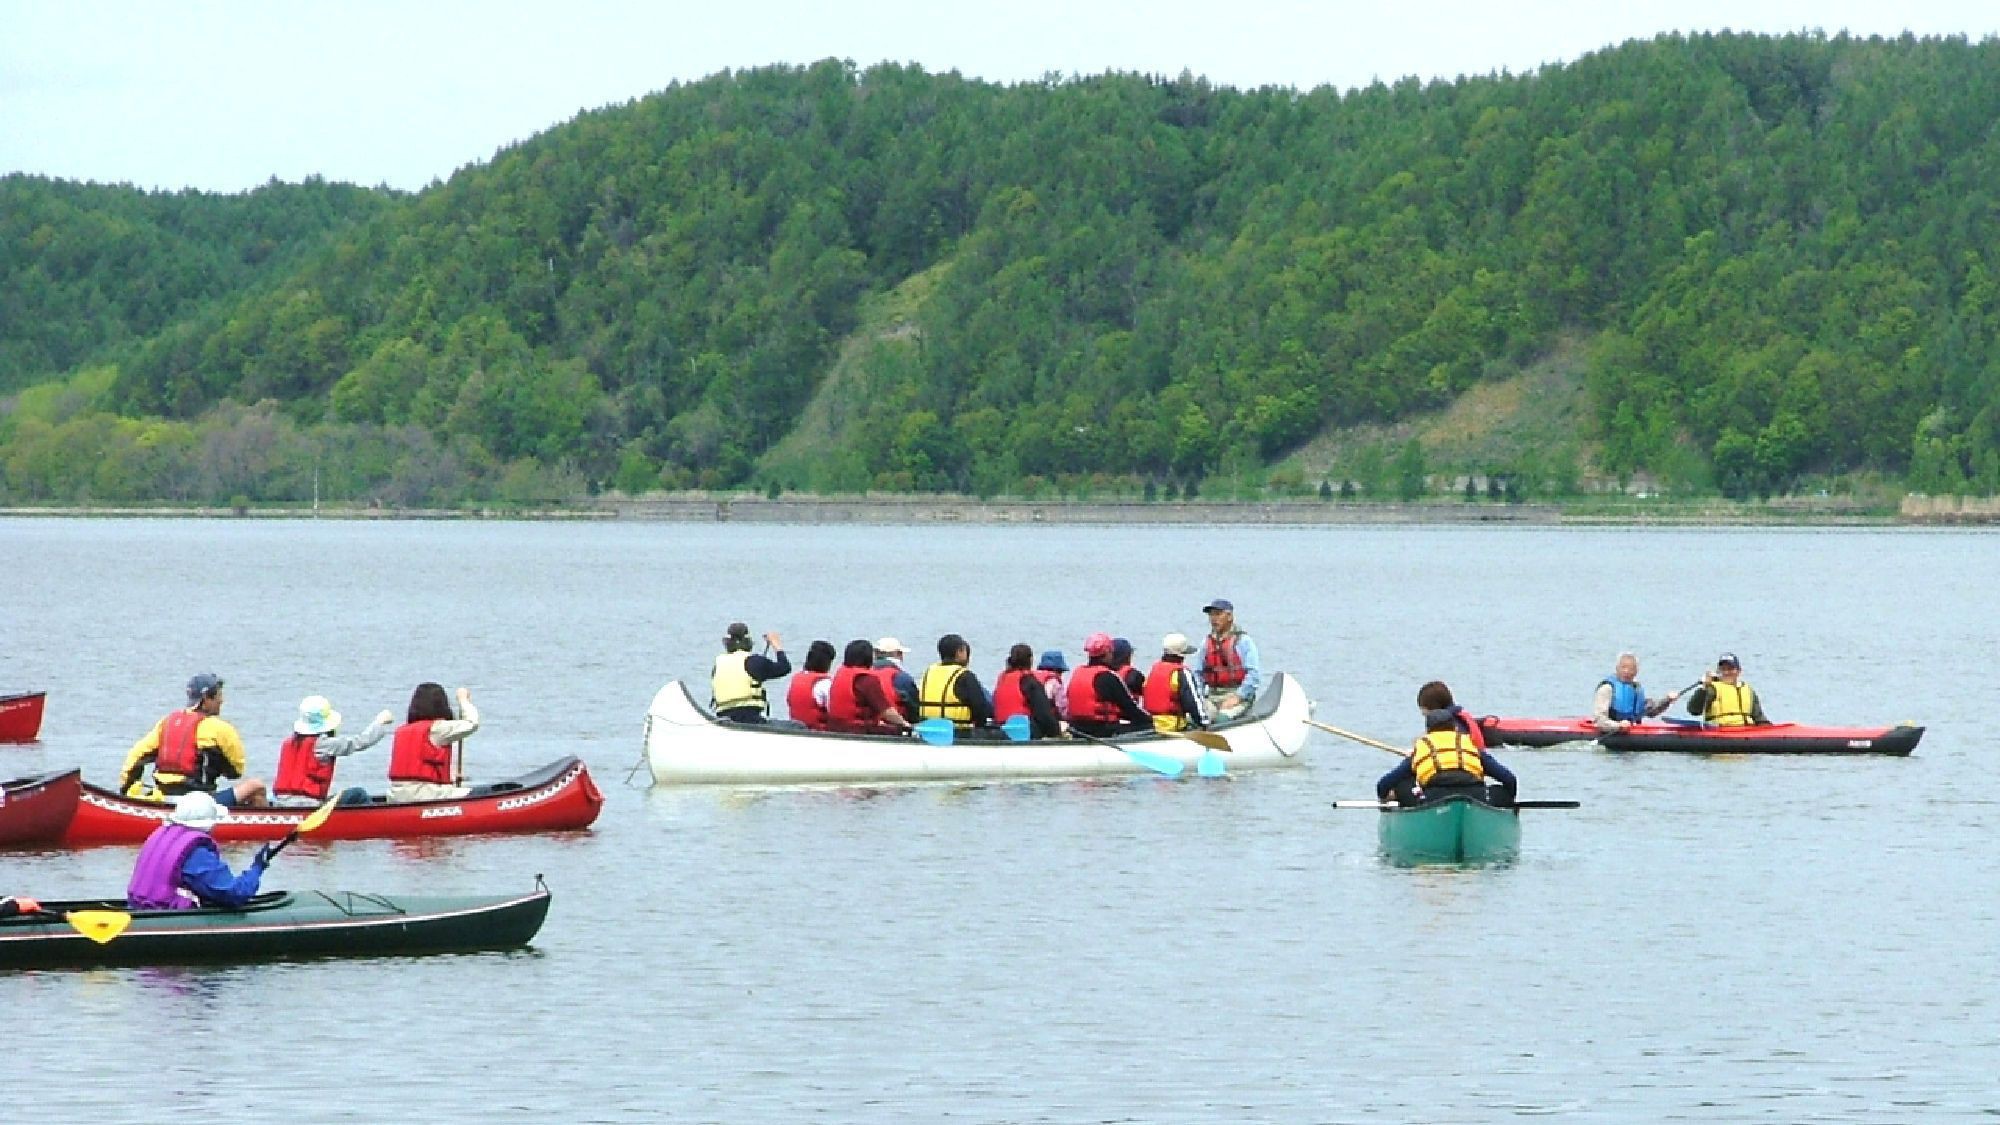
column 1782, row 256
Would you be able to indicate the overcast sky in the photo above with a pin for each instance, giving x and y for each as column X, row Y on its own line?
column 227, row 95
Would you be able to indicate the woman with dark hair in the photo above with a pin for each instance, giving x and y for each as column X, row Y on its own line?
column 858, row 702
column 1449, row 760
column 420, row 765
column 807, row 696
column 1019, row 691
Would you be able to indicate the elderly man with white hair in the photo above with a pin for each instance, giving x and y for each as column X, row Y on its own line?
column 1621, row 701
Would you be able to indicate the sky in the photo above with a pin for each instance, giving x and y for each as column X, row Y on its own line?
column 224, row 96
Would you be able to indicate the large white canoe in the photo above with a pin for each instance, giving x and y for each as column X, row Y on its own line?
column 687, row 745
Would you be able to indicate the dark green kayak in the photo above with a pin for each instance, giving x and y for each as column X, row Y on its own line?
column 1451, row 830
column 278, row 926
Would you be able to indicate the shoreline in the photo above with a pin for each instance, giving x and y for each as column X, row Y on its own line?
column 803, row 509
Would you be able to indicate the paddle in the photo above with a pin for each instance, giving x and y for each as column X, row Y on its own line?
column 99, row 926
column 1361, row 738
column 1158, row 763
column 1515, row 805
column 1018, row 728
column 311, row 823
column 937, row 732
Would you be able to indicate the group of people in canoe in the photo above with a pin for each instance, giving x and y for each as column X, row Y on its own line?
column 868, row 691
column 195, row 750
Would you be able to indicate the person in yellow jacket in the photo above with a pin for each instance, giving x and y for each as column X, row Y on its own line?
column 950, row 690
column 1724, row 700
column 1449, row 760
column 190, row 751
column 736, row 683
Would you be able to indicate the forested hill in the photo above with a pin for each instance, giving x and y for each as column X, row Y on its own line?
column 1781, row 254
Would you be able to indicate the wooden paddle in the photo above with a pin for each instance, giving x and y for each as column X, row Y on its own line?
column 1361, row 738
column 1515, row 805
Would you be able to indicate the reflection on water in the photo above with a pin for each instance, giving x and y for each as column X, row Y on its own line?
column 1731, row 938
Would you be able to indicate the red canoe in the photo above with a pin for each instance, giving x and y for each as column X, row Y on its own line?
column 555, row 798
column 1773, row 738
column 21, row 716
column 35, row 810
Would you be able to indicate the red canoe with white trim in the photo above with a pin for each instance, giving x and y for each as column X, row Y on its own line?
column 36, row 810
column 556, row 798
column 21, row 716
column 1772, row 738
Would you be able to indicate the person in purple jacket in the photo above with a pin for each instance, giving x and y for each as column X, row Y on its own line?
column 179, row 867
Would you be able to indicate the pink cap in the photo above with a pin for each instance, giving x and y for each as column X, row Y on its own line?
column 1097, row 644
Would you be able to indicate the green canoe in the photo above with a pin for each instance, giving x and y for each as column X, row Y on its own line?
column 278, row 926
column 1452, row 830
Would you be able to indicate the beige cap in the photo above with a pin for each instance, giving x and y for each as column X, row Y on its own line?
column 1176, row 644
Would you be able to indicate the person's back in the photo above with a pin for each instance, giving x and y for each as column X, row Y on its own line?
column 1449, row 759
column 179, row 867
column 736, row 683
column 309, row 755
column 858, row 702
column 1170, row 696
column 1099, row 704
column 807, row 697
column 191, row 751
column 423, row 764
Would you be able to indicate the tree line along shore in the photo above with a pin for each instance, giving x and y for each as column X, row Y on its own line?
column 1721, row 265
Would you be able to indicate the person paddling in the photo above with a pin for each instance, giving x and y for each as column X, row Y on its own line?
column 1022, row 689
column 859, row 702
column 1448, row 760
column 420, row 760
column 950, row 690
column 1620, row 701
column 1170, row 695
column 1724, row 700
column 736, row 683
column 191, row 750
column 307, row 758
column 1099, row 704
column 179, row 867
column 806, row 699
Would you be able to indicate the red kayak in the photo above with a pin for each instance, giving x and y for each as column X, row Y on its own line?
column 1773, row 738
column 21, row 716
column 35, row 810
column 558, row 797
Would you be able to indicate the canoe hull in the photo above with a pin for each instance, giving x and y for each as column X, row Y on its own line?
column 685, row 745
column 1776, row 738
column 21, row 716
column 283, row 926
column 558, row 797
column 1453, row 830
column 35, row 811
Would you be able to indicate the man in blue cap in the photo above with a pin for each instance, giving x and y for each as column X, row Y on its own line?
column 1228, row 665
column 191, row 750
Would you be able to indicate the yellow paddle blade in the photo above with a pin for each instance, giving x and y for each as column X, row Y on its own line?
column 319, row 816
column 99, row 926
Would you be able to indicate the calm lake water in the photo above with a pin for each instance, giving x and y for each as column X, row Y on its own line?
column 1721, row 939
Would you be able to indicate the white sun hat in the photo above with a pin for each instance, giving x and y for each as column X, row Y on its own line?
column 316, row 716
column 197, row 810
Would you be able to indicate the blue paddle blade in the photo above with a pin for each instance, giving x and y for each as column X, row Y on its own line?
column 1210, row 764
column 1158, row 763
column 1018, row 728
column 937, row 732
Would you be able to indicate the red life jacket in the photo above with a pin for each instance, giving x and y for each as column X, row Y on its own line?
column 1163, row 695
column 302, row 773
column 843, row 707
column 799, row 698
column 1220, row 666
column 178, row 754
column 1084, row 703
column 413, row 758
column 887, row 674
column 1007, row 698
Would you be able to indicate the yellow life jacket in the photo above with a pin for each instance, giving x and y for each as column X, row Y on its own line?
column 1441, row 751
column 937, row 695
column 730, row 685
column 1730, row 705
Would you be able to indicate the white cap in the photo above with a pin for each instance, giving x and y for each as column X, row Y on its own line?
column 1176, row 644
column 197, row 810
column 890, row 644
column 316, row 716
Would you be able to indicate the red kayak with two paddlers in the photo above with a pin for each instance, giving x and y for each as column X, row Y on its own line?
column 1699, row 738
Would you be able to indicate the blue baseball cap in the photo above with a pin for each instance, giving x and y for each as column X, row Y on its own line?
column 1219, row 603
column 202, row 686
